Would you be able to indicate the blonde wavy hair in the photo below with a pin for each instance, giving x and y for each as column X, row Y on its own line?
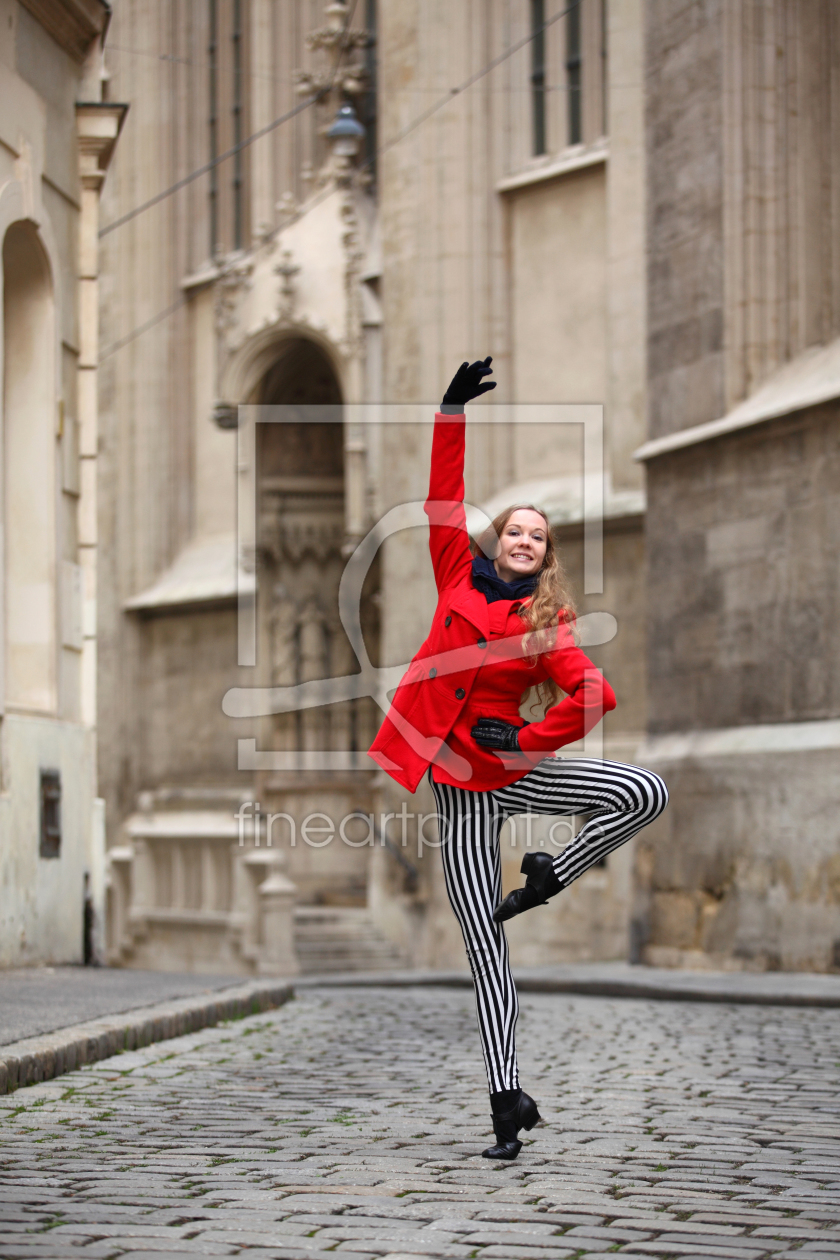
column 552, row 603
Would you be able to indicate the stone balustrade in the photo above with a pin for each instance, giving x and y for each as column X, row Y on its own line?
column 185, row 894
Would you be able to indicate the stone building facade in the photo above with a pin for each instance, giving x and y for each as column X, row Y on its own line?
column 743, row 489
column 512, row 224
column 504, row 218
column 57, row 135
column 632, row 206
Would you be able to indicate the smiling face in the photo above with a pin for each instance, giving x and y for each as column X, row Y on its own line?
column 523, row 541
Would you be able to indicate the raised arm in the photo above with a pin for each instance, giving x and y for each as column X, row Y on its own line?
column 448, row 538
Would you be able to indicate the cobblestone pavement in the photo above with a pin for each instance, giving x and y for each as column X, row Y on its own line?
column 350, row 1123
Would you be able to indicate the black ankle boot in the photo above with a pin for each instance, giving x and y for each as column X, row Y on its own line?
column 541, row 884
column 523, row 1115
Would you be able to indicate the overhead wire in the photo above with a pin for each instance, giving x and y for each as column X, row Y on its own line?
column 208, row 166
column 138, row 332
column 433, row 109
column 182, row 297
column 385, row 147
column 474, row 78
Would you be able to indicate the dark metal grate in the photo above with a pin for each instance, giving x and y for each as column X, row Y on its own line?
column 50, row 846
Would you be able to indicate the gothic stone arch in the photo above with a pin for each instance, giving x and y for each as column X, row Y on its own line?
column 299, row 447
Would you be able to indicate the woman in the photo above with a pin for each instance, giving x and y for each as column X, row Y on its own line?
column 504, row 625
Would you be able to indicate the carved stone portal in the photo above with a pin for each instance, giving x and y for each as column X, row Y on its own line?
column 301, row 528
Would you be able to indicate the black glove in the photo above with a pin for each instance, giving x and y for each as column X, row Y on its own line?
column 466, row 383
column 497, row 733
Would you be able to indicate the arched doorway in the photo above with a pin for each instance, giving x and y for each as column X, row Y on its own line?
column 301, row 373
column 301, row 531
column 29, row 464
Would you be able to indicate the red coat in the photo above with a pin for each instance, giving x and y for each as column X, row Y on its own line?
column 473, row 663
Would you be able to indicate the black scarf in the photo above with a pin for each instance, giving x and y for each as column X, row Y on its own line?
column 486, row 579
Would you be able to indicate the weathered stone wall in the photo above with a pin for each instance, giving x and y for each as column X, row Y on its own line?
column 684, row 168
column 42, row 901
column 743, row 868
column 559, row 313
column 45, row 335
column 743, row 566
column 547, row 275
column 187, row 662
column 146, row 487
column 744, row 677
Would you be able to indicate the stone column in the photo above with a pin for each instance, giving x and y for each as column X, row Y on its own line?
column 97, row 125
column 626, row 295
column 277, row 955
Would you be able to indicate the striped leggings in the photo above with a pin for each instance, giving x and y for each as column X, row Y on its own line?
column 619, row 800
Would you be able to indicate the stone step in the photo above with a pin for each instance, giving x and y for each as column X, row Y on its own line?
column 342, row 938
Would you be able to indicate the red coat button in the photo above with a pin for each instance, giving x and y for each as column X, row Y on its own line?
column 460, row 693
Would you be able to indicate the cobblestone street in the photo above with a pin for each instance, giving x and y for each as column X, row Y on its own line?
column 350, row 1122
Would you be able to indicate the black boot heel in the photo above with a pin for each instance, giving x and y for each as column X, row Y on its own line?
column 528, row 1112
column 524, row 1115
column 532, row 864
column 540, row 884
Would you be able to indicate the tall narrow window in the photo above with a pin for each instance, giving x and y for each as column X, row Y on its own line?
column 538, row 75
column 228, row 104
column 212, row 52
column 604, row 98
column 367, row 105
column 236, row 110
column 573, row 75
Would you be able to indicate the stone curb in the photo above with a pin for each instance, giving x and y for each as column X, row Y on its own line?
column 593, row 987
column 37, row 1059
